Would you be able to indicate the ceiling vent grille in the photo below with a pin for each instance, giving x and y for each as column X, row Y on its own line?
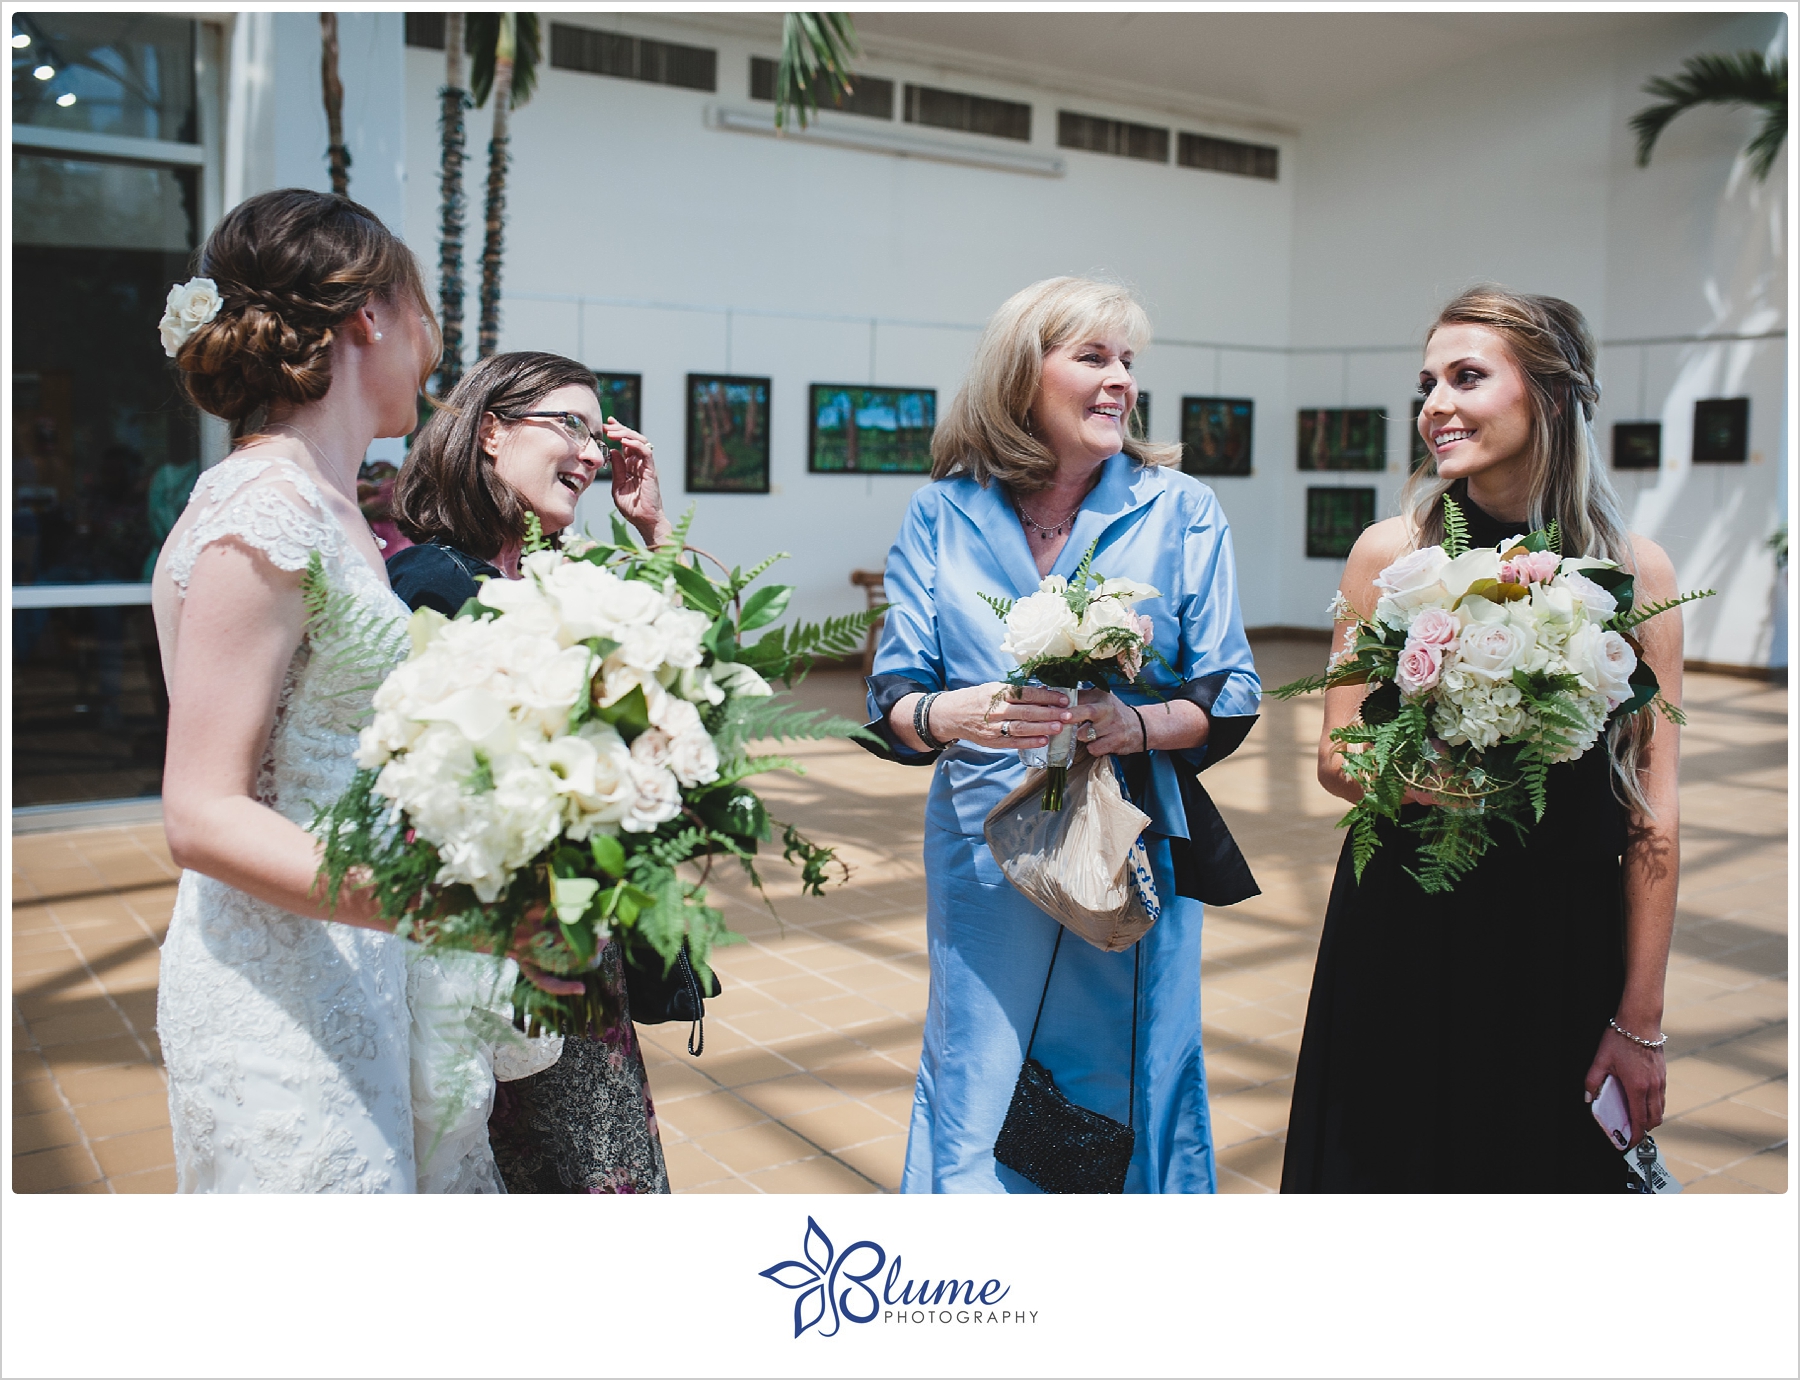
column 931, row 105
column 1118, row 137
column 635, row 59
column 1228, row 156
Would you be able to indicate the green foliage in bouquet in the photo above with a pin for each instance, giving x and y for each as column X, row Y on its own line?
column 618, row 883
column 1393, row 747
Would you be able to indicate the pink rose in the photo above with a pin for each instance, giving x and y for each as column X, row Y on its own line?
column 1531, row 568
column 1420, row 663
column 1434, row 628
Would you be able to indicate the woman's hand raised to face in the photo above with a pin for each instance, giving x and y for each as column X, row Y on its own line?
column 636, row 491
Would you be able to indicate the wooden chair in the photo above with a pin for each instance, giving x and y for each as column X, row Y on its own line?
column 873, row 583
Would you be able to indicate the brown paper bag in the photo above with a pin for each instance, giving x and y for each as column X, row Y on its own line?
column 1082, row 864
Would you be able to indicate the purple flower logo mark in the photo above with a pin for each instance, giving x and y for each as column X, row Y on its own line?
column 817, row 1275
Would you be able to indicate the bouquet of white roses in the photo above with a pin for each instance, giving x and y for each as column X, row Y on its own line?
column 566, row 743
column 1491, row 666
column 1083, row 631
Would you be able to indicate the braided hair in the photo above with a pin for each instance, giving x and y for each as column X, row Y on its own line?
column 291, row 266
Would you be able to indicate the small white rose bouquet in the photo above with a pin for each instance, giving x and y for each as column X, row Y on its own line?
column 1491, row 666
column 1075, row 633
column 568, row 742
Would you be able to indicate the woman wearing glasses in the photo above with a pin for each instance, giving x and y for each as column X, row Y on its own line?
column 523, row 434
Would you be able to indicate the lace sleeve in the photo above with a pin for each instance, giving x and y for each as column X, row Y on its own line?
column 280, row 514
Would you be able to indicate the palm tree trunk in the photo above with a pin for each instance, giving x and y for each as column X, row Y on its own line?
column 450, row 232
column 492, row 248
column 336, row 154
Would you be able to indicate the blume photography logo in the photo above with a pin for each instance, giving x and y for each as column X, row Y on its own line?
column 833, row 1288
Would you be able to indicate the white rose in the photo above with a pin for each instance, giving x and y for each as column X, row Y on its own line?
column 1104, row 616
column 610, row 797
column 1491, row 651
column 548, row 690
column 651, row 747
column 654, row 799
column 694, row 758
column 190, row 306
column 1597, row 602
column 1413, row 581
column 1604, row 661
column 682, row 630
column 1052, row 584
column 1039, row 626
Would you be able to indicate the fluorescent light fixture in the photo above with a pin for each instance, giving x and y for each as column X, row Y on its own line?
column 66, row 100
column 899, row 143
column 21, row 40
column 45, row 72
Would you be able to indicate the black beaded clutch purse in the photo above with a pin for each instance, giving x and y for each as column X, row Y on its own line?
column 656, row 996
column 1053, row 1143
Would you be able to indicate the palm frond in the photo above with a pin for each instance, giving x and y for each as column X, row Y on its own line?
column 1745, row 78
column 816, row 52
column 483, row 35
column 1456, row 529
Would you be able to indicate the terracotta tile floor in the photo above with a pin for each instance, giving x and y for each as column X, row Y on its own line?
column 806, row 1081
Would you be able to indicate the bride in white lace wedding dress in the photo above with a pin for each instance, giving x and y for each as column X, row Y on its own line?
column 295, row 1061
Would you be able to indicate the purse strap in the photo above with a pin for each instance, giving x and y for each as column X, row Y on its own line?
column 1137, row 959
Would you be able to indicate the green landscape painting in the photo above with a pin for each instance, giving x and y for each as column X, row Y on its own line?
column 727, row 434
column 857, row 430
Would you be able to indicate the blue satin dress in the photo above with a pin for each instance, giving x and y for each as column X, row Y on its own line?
column 989, row 947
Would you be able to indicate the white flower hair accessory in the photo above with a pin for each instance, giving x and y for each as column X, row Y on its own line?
column 190, row 306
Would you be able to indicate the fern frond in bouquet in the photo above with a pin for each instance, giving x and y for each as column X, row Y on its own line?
column 548, row 761
column 1490, row 665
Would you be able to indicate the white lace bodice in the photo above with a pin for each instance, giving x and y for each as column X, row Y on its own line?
column 288, row 1040
column 274, row 506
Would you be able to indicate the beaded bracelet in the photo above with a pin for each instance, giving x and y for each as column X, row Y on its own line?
column 1638, row 1040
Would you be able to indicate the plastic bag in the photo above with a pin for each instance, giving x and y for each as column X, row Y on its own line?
column 1084, row 864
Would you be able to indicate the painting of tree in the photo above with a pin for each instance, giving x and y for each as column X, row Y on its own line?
column 859, row 430
column 727, row 434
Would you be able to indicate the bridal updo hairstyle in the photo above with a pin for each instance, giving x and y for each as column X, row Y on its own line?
column 290, row 267
column 986, row 432
column 448, row 489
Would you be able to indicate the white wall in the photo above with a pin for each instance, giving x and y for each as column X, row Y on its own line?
column 619, row 190
column 809, row 264
column 1520, row 170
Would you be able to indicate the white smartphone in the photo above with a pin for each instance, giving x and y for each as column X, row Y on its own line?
column 1611, row 1112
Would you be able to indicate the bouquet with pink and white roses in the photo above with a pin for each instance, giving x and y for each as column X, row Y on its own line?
column 1491, row 666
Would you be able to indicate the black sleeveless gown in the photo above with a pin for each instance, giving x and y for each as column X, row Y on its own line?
column 1448, row 1036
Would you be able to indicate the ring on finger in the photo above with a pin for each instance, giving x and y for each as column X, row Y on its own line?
column 1006, row 728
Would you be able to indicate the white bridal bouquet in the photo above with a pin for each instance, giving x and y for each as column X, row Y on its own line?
column 1083, row 631
column 567, row 742
column 1492, row 665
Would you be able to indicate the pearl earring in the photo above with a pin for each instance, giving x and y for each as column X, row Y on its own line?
column 378, row 335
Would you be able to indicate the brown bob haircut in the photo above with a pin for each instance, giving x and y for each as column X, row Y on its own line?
column 448, row 490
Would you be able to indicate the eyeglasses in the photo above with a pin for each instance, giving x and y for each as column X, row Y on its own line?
column 573, row 423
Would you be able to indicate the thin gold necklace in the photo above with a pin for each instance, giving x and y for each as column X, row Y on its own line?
column 1046, row 533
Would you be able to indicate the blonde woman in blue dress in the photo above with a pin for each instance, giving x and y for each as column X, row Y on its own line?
column 1034, row 464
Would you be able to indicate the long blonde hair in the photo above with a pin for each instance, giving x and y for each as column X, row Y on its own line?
column 986, row 431
column 1550, row 342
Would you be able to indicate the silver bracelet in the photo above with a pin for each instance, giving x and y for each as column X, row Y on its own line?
column 922, row 721
column 1636, row 1040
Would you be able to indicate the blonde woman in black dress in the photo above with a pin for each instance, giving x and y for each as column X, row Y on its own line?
column 1453, row 1043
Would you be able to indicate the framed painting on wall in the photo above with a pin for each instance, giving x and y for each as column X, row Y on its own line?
column 1721, row 431
column 1142, row 415
column 1637, row 445
column 727, row 434
column 1216, row 435
column 1335, row 518
column 1343, row 438
column 1419, row 452
column 621, row 396
column 858, row 430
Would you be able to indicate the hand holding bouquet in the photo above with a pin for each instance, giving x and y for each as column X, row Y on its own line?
column 1491, row 666
column 1071, row 633
column 563, row 746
